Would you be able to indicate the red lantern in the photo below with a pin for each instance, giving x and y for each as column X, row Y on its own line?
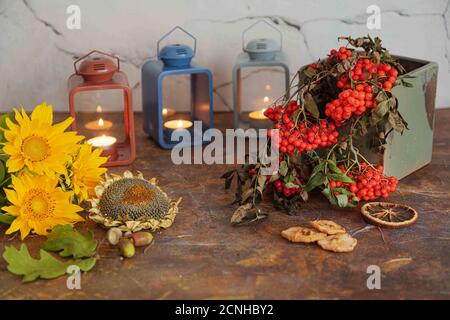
column 98, row 92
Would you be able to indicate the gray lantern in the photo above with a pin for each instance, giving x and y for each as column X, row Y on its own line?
column 265, row 70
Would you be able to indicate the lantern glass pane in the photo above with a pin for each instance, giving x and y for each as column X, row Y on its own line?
column 186, row 97
column 176, row 93
column 101, row 112
column 260, row 87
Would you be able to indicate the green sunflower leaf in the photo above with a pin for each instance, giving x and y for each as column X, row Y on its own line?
column 3, row 125
column 70, row 242
column 46, row 267
column 5, row 218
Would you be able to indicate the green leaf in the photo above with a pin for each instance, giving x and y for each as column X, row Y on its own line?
column 6, row 218
column 2, row 171
column 311, row 106
column 330, row 196
column 70, row 242
column 342, row 200
column 344, row 191
column 339, row 177
column 315, row 181
column 3, row 118
column 407, row 84
column 333, row 167
column 318, row 168
column 283, row 168
column 46, row 267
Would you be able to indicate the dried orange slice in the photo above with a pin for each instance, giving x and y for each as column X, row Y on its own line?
column 386, row 214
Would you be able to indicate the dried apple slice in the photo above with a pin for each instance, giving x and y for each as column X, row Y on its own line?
column 342, row 242
column 327, row 226
column 387, row 214
column 301, row 234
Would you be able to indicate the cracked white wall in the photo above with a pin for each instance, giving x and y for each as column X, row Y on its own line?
column 37, row 50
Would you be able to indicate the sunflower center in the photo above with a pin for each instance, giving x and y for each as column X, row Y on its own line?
column 38, row 204
column 138, row 195
column 36, row 148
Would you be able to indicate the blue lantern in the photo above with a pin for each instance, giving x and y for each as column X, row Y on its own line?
column 174, row 64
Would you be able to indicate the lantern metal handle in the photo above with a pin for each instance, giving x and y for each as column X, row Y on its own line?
column 168, row 33
column 92, row 52
column 253, row 25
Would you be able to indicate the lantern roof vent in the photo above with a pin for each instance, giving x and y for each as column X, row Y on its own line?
column 176, row 55
column 97, row 67
column 262, row 49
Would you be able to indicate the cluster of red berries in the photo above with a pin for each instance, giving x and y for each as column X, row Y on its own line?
column 370, row 183
column 365, row 69
column 281, row 188
column 274, row 113
column 342, row 54
column 351, row 101
column 307, row 137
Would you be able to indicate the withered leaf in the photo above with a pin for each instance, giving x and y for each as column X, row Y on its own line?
column 261, row 183
column 246, row 213
column 228, row 176
column 396, row 121
column 310, row 72
column 311, row 106
column 274, row 177
column 382, row 108
column 377, row 57
column 247, row 194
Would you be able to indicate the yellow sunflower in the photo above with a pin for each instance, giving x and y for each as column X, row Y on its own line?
column 86, row 171
column 39, row 205
column 35, row 143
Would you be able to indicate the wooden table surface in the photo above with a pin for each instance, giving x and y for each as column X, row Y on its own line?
column 202, row 257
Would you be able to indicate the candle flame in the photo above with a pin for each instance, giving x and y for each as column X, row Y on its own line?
column 164, row 111
column 180, row 124
column 99, row 109
column 266, row 99
column 101, row 123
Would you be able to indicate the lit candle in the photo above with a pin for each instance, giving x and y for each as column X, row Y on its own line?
column 266, row 99
column 100, row 124
column 102, row 141
column 99, row 109
column 258, row 115
column 107, row 143
column 168, row 112
column 178, row 124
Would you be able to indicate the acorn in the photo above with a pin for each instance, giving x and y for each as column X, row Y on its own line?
column 114, row 235
column 142, row 238
column 127, row 249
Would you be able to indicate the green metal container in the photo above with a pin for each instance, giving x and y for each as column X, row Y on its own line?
column 406, row 153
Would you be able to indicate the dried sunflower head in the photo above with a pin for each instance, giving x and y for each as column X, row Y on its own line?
column 132, row 203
